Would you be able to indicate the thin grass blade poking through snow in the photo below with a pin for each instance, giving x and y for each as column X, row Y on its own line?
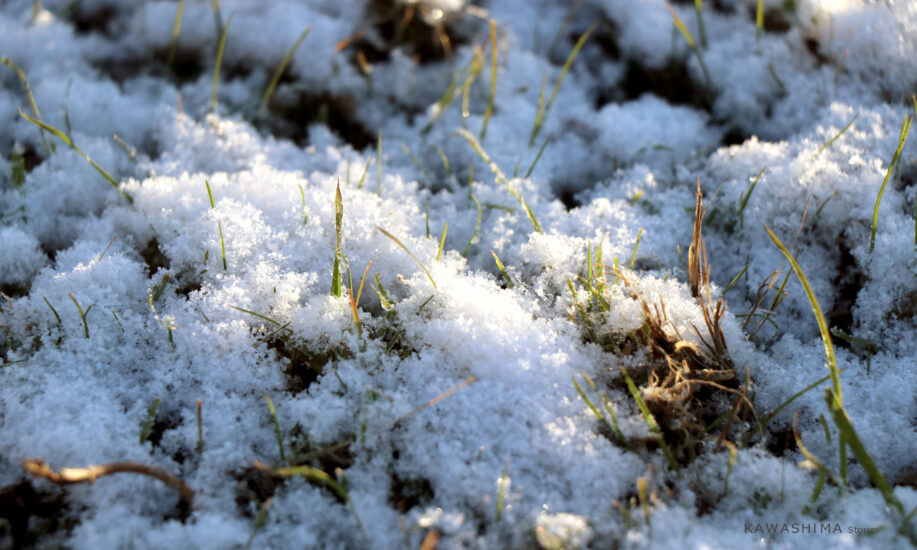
column 413, row 257
column 905, row 128
column 493, row 78
column 28, row 91
column 176, row 31
column 63, row 137
column 219, row 61
column 542, row 113
column 272, row 85
column 338, row 221
column 500, row 176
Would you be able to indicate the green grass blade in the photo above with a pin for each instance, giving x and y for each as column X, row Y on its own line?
column 689, row 38
column 302, row 195
column 83, row 315
column 767, row 418
column 539, row 120
column 701, row 29
column 317, row 476
column 500, row 176
column 839, row 134
column 54, row 311
column 272, row 85
column 493, row 78
column 219, row 224
column 633, row 256
column 442, row 242
column 379, row 164
column 263, row 317
column 509, row 282
column 277, row 431
column 63, row 137
column 501, row 486
column 477, row 225
column 905, row 128
column 743, row 202
column 819, row 317
column 650, row 420
column 176, row 31
column 365, row 171
column 538, row 156
column 849, row 435
column 338, row 222
column 147, row 425
column 413, row 257
column 759, row 22
column 28, row 91
column 216, row 67
column 217, row 18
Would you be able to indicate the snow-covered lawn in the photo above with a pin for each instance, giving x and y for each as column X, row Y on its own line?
column 271, row 311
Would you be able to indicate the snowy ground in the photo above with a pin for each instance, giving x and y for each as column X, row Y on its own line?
column 113, row 300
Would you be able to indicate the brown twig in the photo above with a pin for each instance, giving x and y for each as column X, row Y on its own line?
column 67, row 476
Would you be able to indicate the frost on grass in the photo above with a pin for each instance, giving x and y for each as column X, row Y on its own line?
column 442, row 403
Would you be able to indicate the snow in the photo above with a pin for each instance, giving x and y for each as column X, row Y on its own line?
column 450, row 407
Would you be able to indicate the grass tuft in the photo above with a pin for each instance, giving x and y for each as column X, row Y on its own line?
column 905, row 128
column 272, row 85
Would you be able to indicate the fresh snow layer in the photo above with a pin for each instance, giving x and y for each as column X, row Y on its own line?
column 110, row 304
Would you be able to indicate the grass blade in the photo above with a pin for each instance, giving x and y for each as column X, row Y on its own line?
column 216, row 67
column 28, row 91
column 83, row 315
column 263, row 317
column 633, row 256
column 500, row 176
column 539, row 120
column 839, row 134
column 538, row 156
column 689, row 38
column 272, row 85
column 147, row 425
column 743, row 202
column 905, row 128
column 442, row 242
column 509, row 282
column 413, row 257
column 759, row 22
column 54, row 311
column 650, row 420
column 63, row 137
column 849, row 435
column 477, row 226
column 819, row 317
column 176, row 31
column 217, row 18
column 701, row 30
column 277, row 432
column 493, row 78
column 338, row 222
